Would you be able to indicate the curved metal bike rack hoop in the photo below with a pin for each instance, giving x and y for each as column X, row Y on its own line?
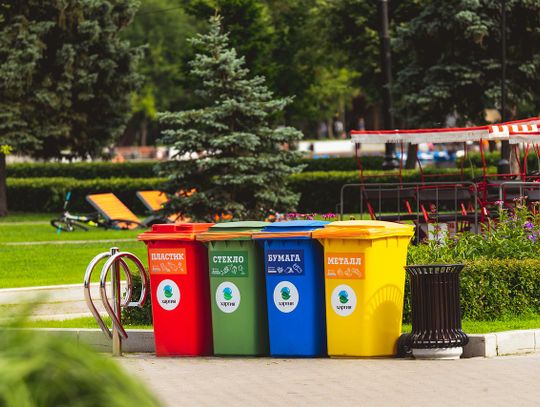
column 115, row 260
column 118, row 257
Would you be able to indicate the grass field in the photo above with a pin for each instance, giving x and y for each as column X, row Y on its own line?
column 480, row 327
column 32, row 253
column 470, row 327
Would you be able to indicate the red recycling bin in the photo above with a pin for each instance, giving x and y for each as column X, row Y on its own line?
column 179, row 284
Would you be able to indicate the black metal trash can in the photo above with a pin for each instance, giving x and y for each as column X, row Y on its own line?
column 435, row 307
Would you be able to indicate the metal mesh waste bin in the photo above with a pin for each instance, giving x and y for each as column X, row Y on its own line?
column 436, row 313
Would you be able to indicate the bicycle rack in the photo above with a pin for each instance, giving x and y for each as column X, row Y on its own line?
column 116, row 260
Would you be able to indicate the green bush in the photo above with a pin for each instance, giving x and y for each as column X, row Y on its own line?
column 320, row 191
column 83, row 170
column 475, row 159
column 145, row 169
column 41, row 369
column 342, row 163
column 502, row 274
column 47, row 194
column 138, row 316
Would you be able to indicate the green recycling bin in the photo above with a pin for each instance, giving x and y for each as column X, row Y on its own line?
column 237, row 288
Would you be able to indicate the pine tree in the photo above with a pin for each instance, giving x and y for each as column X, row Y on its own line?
column 229, row 157
column 66, row 77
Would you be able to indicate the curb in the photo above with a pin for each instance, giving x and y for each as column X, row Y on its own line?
column 517, row 342
column 138, row 341
column 503, row 343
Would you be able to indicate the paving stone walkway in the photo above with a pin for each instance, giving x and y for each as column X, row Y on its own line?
column 500, row 381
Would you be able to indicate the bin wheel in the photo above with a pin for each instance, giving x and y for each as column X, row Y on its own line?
column 403, row 347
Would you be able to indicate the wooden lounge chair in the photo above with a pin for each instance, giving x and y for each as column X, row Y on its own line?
column 154, row 200
column 114, row 211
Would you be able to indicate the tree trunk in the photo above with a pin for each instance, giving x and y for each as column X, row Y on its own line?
column 144, row 133
column 3, row 189
column 412, row 152
column 330, row 125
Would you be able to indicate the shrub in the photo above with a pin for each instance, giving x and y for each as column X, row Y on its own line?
column 320, row 191
column 475, row 159
column 342, row 163
column 40, row 369
column 47, row 194
column 502, row 273
column 145, row 169
column 515, row 235
column 83, row 170
column 138, row 316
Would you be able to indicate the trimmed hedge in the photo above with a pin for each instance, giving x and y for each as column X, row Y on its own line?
column 145, row 169
column 342, row 163
column 496, row 289
column 475, row 159
column 48, row 194
column 490, row 290
column 83, row 170
column 320, row 191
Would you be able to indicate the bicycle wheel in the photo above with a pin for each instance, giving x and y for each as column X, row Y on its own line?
column 67, row 225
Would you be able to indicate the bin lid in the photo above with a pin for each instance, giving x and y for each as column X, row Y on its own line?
column 363, row 229
column 290, row 229
column 170, row 231
column 242, row 230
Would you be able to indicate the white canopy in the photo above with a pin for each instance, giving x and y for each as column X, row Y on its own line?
column 522, row 131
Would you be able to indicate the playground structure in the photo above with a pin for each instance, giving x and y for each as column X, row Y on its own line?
column 437, row 203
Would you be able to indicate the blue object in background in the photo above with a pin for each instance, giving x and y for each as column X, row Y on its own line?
column 294, row 271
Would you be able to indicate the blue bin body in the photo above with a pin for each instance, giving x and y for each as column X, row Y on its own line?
column 294, row 271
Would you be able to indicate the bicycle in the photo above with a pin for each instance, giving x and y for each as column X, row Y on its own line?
column 69, row 223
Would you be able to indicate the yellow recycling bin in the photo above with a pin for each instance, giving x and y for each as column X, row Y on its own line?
column 364, row 284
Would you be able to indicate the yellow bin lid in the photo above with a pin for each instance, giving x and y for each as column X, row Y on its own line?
column 363, row 229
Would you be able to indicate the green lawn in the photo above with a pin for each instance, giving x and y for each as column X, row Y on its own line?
column 85, row 322
column 470, row 327
column 25, row 265
column 27, row 217
column 480, row 327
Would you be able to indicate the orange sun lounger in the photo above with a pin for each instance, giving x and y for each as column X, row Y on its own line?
column 154, row 201
column 112, row 209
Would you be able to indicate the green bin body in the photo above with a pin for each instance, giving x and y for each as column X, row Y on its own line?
column 237, row 290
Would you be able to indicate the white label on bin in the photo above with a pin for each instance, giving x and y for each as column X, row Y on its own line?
column 227, row 297
column 168, row 295
column 286, row 296
column 343, row 300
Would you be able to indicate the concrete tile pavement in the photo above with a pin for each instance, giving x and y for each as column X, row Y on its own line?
column 500, row 381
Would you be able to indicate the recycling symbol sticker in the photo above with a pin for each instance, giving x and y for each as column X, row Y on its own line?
column 343, row 300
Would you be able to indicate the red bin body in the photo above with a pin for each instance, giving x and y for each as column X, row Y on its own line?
column 180, row 291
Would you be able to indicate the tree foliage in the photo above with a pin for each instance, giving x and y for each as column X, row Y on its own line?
column 453, row 61
column 162, row 27
column 284, row 41
column 65, row 75
column 229, row 157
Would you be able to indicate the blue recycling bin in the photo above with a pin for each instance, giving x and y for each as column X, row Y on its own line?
column 294, row 272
